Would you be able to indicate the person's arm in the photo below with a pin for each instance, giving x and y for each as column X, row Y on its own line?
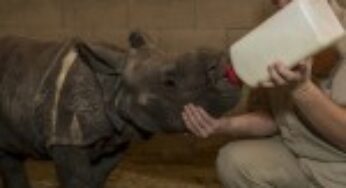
column 254, row 124
column 326, row 117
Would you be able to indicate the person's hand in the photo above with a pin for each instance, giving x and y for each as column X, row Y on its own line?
column 281, row 75
column 201, row 123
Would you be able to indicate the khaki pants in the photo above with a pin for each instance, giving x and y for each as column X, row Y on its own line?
column 268, row 163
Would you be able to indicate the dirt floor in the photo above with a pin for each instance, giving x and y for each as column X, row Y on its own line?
column 164, row 162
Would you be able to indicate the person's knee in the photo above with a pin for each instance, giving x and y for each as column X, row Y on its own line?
column 226, row 160
column 231, row 165
column 247, row 164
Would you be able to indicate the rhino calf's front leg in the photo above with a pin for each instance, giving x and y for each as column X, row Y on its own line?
column 73, row 167
column 76, row 169
column 13, row 171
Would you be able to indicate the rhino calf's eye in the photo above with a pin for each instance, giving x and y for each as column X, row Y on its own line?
column 169, row 83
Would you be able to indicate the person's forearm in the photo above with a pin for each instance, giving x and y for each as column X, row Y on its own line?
column 255, row 124
column 326, row 117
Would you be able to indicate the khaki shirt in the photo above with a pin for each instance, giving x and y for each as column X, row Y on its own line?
column 294, row 127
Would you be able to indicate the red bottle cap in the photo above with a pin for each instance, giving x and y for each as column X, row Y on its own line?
column 231, row 76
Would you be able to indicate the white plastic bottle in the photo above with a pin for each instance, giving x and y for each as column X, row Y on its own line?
column 299, row 30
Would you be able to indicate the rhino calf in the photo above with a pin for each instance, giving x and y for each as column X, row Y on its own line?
column 80, row 104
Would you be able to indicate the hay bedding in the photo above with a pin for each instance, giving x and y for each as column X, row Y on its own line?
column 164, row 162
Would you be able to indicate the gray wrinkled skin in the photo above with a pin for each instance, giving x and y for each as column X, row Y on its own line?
column 109, row 96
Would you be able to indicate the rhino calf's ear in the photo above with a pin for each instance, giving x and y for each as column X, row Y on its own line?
column 100, row 58
column 136, row 40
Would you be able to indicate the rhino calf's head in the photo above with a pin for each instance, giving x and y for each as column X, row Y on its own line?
column 157, row 85
column 161, row 84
